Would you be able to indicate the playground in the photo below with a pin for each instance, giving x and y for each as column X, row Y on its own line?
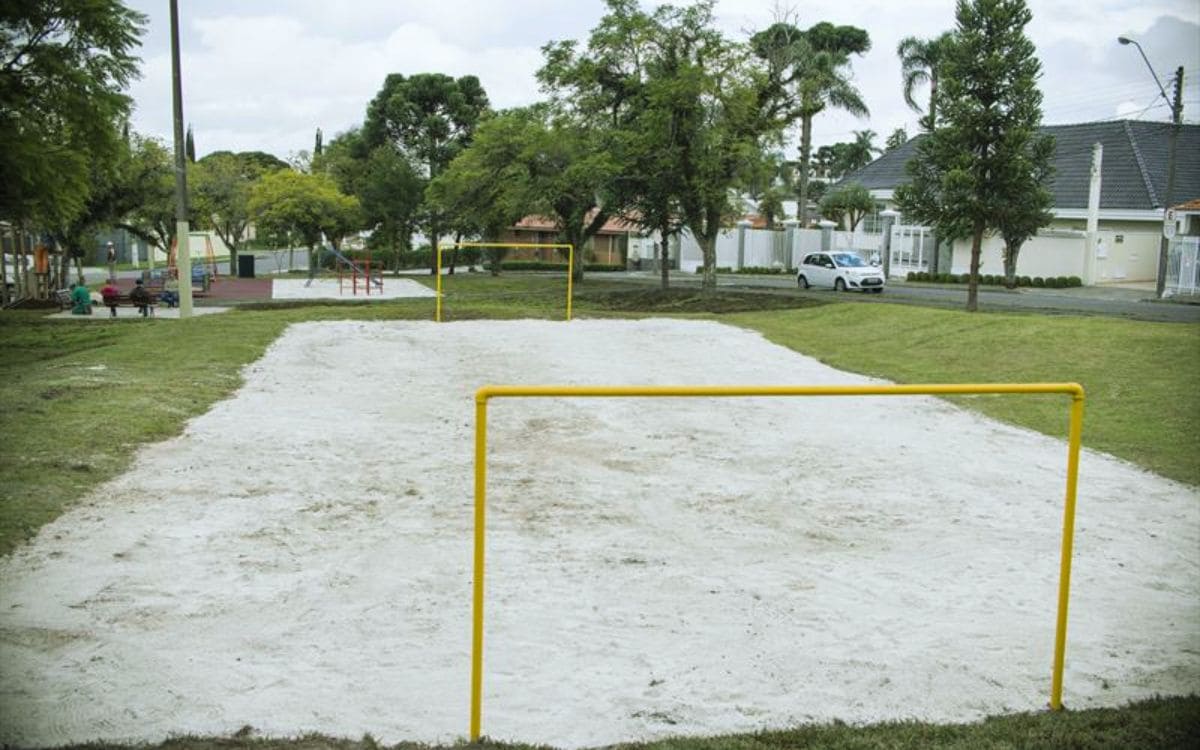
column 299, row 558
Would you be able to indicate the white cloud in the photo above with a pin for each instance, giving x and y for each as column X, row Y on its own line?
column 265, row 75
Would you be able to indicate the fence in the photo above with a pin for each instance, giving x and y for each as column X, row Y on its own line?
column 912, row 249
column 767, row 248
column 1183, row 267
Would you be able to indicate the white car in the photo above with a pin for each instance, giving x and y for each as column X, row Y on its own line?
column 840, row 270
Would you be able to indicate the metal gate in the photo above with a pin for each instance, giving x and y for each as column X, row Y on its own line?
column 912, row 249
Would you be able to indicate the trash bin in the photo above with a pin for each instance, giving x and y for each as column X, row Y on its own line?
column 245, row 266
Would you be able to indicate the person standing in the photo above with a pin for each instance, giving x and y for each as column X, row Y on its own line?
column 111, row 255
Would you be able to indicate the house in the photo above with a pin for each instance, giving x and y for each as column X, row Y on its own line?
column 609, row 246
column 1133, row 180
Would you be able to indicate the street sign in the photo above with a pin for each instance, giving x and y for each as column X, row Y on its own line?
column 1169, row 224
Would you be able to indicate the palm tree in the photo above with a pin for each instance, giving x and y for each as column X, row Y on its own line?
column 897, row 139
column 920, row 60
column 813, row 65
column 860, row 152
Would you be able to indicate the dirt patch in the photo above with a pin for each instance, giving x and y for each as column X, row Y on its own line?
column 690, row 300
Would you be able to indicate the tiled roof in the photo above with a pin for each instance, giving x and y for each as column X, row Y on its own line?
column 614, row 225
column 1133, row 173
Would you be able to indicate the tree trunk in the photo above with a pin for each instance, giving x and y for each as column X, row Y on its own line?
column 433, row 246
column 4, row 298
column 973, row 282
column 454, row 252
column 1010, row 265
column 79, row 267
column 805, row 156
column 666, row 257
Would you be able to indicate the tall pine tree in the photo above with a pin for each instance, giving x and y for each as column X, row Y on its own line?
column 985, row 156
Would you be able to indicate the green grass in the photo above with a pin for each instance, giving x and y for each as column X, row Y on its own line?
column 1142, row 404
column 1161, row 723
column 77, row 398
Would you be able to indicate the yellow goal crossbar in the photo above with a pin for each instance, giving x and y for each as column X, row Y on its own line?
column 514, row 245
column 488, row 392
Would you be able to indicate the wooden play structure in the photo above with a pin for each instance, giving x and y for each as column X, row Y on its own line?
column 209, row 264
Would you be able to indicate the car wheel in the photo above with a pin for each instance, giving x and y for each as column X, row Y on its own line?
column 877, row 291
column 839, row 285
column 802, row 282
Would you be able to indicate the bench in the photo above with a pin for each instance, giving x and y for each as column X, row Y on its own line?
column 64, row 299
column 123, row 299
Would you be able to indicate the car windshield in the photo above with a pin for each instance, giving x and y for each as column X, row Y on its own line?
column 848, row 259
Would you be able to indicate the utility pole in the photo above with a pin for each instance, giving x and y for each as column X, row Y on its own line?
column 182, row 244
column 1164, row 247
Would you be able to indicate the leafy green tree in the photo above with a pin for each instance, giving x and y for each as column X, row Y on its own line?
column 920, row 63
column 860, row 152
column 848, row 204
column 625, row 85
column 986, row 152
column 898, row 138
column 430, row 118
column 289, row 203
column 219, row 192
column 147, row 178
column 317, row 145
column 261, row 160
column 63, row 67
column 528, row 161
column 386, row 185
column 1028, row 208
column 812, row 66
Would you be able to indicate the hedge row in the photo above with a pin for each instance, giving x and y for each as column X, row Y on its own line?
column 535, row 265
column 1052, row 282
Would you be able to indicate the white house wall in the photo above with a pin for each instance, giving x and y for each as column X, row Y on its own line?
column 1133, row 258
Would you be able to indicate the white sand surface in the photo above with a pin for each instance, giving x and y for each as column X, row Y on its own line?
column 329, row 289
column 299, row 559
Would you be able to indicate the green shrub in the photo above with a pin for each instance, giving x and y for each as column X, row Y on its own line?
column 762, row 271
column 945, row 278
column 1039, row 282
column 912, row 276
column 1074, row 281
column 1024, row 281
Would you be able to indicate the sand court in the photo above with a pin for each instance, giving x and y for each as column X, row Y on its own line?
column 300, row 558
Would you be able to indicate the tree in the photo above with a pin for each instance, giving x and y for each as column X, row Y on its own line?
column 1028, row 209
column 850, row 203
column 317, row 145
column 812, row 67
column 987, row 152
column 189, row 146
column 287, row 203
column 63, row 67
column 528, row 161
column 920, row 63
column 219, row 192
column 430, row 118
column 860, row 152
column 898, row 138
column 147, row 178
column 389, row 190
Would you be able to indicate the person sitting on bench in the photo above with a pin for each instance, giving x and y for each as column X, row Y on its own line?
column 111, row 295
column 140, row 297
column 170, row 292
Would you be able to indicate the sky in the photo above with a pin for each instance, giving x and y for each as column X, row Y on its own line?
column 263, row 75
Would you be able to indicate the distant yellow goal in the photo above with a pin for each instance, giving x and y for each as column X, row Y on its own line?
column 511, row 245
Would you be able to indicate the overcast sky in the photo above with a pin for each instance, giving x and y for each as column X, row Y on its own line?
column 265, row 74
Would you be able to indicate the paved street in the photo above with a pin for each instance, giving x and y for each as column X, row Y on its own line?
column 1135, row 304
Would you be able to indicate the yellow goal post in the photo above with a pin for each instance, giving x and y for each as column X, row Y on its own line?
column 489, row 392
column 513, row 245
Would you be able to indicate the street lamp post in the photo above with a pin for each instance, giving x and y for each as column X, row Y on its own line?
column 1176, row 105
column 182, row 245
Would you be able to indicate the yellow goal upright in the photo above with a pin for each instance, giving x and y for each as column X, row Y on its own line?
column 510, row 245
column 489, row 392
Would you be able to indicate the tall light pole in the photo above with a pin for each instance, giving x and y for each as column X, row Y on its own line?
column 1176, row 105
column 183, row 251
